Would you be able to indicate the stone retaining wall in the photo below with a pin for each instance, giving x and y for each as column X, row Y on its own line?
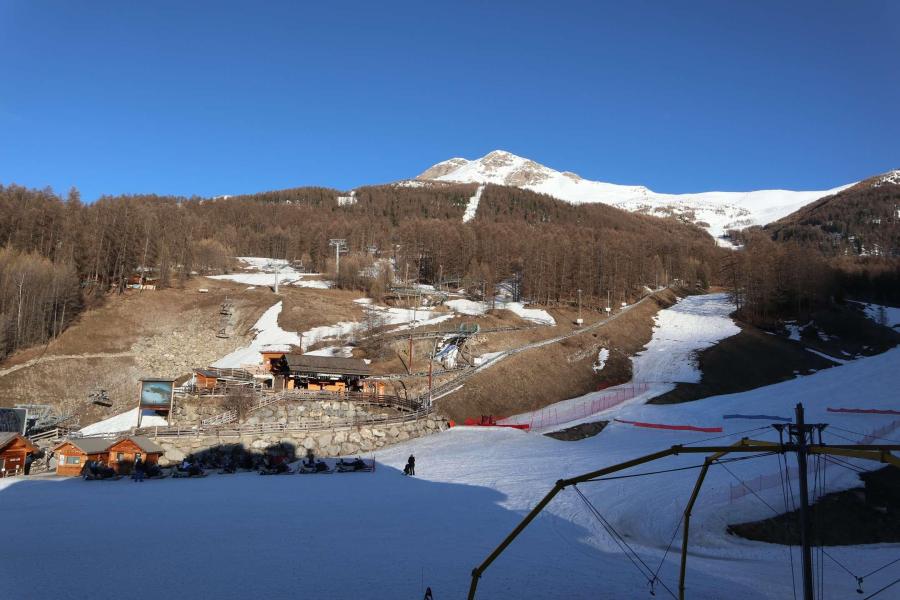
column 337, row 441
column 192, row 410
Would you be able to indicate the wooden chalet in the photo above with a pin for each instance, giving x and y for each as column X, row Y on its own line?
column 124, row 452
column 205, row 379
column 72, row 454
column 272, row 355
column 119, row 454
column 325, row 373
column 14, row 448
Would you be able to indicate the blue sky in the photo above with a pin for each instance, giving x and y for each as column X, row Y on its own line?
column 222, row 97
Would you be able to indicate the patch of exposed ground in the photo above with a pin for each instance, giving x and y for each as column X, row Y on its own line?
column 305, row 308
column 578, row 432
column 867, row 515
column 755, row 358
column 542, row 376
column 137, row 334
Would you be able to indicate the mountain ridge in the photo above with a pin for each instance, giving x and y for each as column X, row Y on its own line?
column 716, row 211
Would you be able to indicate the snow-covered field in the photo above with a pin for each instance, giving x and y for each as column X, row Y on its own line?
column 123, row 422
column 693, row 324
column 262, row 271
column 885, row 315
column 472, row 206
column 679, row 333
column 474, row 308
column 382, row 535
column 268, row 333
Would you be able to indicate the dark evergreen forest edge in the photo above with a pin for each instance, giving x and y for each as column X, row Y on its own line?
column 59, row 255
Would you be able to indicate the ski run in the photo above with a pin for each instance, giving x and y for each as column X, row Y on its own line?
column 385, row 536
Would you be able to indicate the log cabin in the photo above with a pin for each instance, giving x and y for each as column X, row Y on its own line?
column 72, row 454
column 124, row 452
column 14, row 448
column 205, row 379
column 324, row 373
column 119, row 454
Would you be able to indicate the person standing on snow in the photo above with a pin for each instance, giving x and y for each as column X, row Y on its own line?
column 410, row 466
column 138, row 470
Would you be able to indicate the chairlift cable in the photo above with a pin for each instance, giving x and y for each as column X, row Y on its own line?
column 843, row 566
column 847, row 465
column 865, row 435
column 843, row 437
column 893, row 583
column 675, row 469
column 622, row 543
column 719, row 437
column 818, row 492
column 881, row 567
column 784, row 493
column 749, row 489
column 669, row 547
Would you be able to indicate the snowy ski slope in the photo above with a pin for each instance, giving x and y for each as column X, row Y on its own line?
column 382, row 535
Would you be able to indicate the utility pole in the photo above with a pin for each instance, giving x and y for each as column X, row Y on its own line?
column 339, row 245
column 580, row 320
column 801, row 434
column 431, row 371
column 277, row 269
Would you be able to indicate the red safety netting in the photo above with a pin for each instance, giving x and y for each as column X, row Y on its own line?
column 572, row 410
column 865, row 411
column 488, row 421
column 672, row 427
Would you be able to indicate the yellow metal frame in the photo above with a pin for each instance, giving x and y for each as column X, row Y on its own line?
column 876, row 453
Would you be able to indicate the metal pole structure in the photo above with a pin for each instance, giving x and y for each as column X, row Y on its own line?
column 799, row 432
column 879, row 453
column 688, row 509
column 430, row 370
column 579, row 307
column 276, row 278
column 340, row 245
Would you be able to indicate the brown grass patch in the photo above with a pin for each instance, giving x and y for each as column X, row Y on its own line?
column 539, row 377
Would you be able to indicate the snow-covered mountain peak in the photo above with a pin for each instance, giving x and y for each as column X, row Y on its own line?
column 443, row 168
column 715, row 211
column 889, row 177
column 500, row 167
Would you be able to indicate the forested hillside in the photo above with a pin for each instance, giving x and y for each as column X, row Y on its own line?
column 863, row 220
column 844, row 245
column 61, row 254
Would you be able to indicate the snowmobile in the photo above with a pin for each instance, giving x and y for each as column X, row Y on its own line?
column 354, row 466
column 97, row 472
column 276, row 469
column 194, row 471
column 319, row 467
column 154, row 472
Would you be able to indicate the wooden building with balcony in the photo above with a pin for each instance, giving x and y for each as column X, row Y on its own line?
column 14, row 449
